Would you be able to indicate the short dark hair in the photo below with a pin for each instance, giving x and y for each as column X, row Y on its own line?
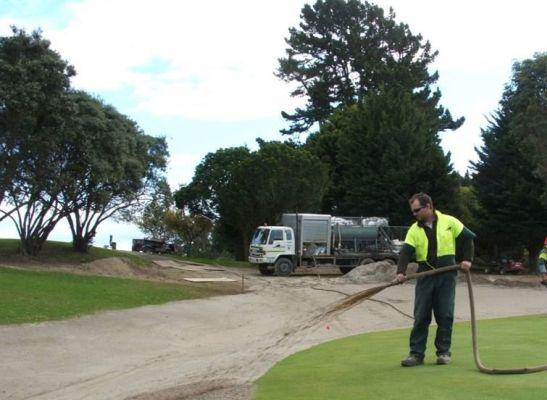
column 423, row 198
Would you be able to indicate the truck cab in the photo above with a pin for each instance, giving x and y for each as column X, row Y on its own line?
column 273, row 249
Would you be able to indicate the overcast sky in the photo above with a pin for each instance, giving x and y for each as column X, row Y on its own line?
column 201, row 72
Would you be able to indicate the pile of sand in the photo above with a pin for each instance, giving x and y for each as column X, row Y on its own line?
column 383, row 272
column 113, row 266
column 377, row 272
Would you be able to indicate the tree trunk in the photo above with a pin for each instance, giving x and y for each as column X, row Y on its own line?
column 242, row 250
column 81, row 243
column 31, row 245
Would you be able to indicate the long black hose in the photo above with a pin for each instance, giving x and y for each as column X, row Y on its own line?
column 478, row 362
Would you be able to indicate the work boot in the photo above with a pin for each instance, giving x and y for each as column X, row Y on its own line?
column 443, row 359
column 412, row 360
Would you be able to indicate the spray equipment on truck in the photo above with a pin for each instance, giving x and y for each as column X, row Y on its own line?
column 322, row 240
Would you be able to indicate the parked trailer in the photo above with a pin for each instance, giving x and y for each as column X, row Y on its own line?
column 318, row 240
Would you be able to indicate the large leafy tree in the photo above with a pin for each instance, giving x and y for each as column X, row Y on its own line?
column 507, row 177
column 193, row 232
column 241, row 189
column 64, row 153
column 112, row 166
column 219, row 190
column 382, row 152
column 33, row 104
column 152, row 218
column 346, row 49
column 527, row 99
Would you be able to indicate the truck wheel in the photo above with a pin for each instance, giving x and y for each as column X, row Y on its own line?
column 264, row 270
column 366, row 261
column 283, row 267
column 345, row 270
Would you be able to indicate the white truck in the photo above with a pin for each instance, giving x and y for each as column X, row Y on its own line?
column 317, row 240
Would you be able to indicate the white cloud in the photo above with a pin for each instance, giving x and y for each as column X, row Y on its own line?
column 181, row 169
column 219, row 56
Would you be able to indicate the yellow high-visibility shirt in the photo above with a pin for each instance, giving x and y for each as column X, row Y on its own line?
column 448, row 229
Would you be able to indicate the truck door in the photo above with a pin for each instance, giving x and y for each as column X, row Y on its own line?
column 277, row 240
column 289, row 241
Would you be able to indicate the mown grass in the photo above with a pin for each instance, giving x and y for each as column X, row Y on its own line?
column 62, row 252
column 31, row 296
column 367, row 367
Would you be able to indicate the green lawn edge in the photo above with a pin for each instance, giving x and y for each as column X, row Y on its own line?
column 37, row 296
column 367, row 366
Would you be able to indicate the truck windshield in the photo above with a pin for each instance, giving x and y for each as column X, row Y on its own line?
column 261, row 236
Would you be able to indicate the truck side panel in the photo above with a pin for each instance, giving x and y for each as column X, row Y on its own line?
column 311, row 231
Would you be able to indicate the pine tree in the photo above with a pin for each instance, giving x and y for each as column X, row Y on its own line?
column 507, row 184
column 343, row 50
column 380, row 154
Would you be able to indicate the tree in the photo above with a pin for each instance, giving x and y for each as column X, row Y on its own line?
column 381, row 153
column 33, row 104
column 344, row 50
column 152, row 218
column 220, row 191
column 241, row 189
column 506, row 177
column 527, row 100
column 193, row 231
column 112, row 166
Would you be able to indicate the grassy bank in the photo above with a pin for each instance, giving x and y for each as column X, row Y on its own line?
column 367, row 367
column 62, row 252
column 30, row 296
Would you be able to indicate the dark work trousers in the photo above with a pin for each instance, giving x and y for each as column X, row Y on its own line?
column 433, row 293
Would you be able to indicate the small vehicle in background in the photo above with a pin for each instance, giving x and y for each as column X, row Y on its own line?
column 504, row 266
column 156, row 246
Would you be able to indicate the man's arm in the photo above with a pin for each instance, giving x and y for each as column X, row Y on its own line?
column 405, row 256
column 466, row 247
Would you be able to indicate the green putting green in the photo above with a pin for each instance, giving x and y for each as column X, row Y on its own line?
column 367, row 366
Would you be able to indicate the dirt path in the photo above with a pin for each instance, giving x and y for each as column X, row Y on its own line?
column 207, row 349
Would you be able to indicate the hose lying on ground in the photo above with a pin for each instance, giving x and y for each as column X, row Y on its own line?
column 478, row 363
column 358, row 297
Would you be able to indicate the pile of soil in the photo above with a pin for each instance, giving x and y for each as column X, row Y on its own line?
column 113, row 266
column 383, row 272
column 376, row 272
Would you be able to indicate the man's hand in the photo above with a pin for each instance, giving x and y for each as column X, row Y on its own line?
column 401, row 278
column 465, row 265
